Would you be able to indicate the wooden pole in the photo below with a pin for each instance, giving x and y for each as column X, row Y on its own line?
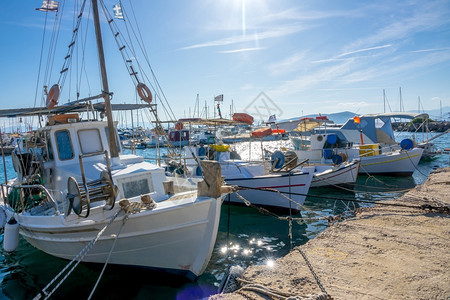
column 106, row 94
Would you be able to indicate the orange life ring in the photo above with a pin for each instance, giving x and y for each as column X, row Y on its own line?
column 53, row 96
column 144, row 92
column 179, row 126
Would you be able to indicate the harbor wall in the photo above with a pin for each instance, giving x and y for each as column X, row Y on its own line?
column 384, row 252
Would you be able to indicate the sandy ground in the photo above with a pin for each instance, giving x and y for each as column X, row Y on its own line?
column 382, row 253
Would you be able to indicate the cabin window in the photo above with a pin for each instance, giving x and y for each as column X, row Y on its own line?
column 90, row 141
column 136, row 186
column 49, row 146
column 64, row 144
column 185, row 135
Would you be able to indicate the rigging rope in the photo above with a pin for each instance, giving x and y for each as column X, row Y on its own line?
column 76, row 260
column 40, row 58
column 123, row 46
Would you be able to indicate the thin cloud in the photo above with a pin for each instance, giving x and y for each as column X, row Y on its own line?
column 364, row 50
column 274, row 33
column 421, row 18
column 352, row 71
column 242, row 50
column 358, row 104
column 287, row 65
column 300, row 14
column 429, row 50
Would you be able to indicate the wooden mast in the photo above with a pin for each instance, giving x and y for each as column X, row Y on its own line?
column 113, row 151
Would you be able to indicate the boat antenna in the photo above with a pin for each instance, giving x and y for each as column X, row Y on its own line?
column 113, row 151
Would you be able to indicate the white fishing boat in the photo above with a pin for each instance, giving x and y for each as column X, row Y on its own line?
column 294, row 185
column 332, row 146
column 134, row 144
column 256, row 177
column 78, row 197
column 344, row 174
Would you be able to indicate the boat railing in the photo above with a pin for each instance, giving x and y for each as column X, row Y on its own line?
column 22, row 203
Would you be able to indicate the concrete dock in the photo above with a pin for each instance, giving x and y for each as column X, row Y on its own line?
column 384, row 252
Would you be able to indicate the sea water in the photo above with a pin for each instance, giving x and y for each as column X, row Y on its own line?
column 246, row 237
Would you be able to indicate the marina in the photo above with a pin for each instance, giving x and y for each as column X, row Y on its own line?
column 287, row 178
column 254, row 238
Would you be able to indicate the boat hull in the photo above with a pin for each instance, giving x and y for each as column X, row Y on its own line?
column 346, row 174
column 398, row 163
column 296, row 182
column 150, row 238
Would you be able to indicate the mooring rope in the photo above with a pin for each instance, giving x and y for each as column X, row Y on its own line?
column 415, row 165
column 109, row 255
column 76, row 259
column 420, row 207
column 353, row 185
column 373, row 177
column 275, row 294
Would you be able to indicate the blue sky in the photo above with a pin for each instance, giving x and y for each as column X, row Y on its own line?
column 307, row 57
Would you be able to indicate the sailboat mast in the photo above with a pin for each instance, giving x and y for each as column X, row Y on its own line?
column 113, row 151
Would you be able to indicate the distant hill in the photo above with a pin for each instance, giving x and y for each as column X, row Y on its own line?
column 435, row 114
column 337, row 118
column 342, row 117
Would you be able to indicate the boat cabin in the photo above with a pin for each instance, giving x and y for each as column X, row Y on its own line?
column 179, row 135
column 80, row 149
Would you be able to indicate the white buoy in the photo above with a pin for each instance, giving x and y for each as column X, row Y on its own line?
column 11, row 235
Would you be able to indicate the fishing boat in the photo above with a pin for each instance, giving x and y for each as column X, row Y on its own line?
column 78, row 197
column 339, row 172
column 134, row 144
column 254, row 178
column 331, row 146
column 154, row 141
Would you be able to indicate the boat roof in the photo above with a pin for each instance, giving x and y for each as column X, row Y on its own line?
column 77, row 107
column 399, row 115
column 212, row 122
column 308, row 124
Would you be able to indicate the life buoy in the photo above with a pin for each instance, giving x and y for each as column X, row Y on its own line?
column 144, row 92
column 53, row 96
column 179, row 126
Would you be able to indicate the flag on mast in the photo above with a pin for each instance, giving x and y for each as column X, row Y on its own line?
column 272, row 119
column 218, row 98
column 118, row 14
column 49, row 5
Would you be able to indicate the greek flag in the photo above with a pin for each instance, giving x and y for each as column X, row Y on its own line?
column 49, row 6
column 218, row 98
column 272, row 119
column 118, row 11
